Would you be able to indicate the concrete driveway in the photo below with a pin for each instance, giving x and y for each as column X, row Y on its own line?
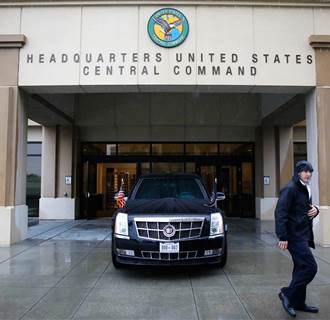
column 64, row 271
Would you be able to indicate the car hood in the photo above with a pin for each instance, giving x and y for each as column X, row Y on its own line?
column 168, row 205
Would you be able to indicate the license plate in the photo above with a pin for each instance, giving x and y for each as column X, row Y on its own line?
column 172, row 247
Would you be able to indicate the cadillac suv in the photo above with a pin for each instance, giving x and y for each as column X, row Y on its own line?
column 170, row 219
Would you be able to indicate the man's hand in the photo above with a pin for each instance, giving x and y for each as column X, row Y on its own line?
column 283, row 245
column 312, row 213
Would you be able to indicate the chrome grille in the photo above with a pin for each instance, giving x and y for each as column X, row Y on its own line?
column 156, row 255
column 185, row 228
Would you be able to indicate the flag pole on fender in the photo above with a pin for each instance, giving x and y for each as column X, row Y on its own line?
column 121, row 195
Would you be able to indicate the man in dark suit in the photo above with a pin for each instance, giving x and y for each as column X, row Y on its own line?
column 294, row 216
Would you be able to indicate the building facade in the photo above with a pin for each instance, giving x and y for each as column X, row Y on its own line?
column 225, row 89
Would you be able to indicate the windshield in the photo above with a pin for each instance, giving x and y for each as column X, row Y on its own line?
column 180, row 188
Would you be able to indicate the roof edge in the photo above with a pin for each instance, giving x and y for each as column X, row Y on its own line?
column 257, row 3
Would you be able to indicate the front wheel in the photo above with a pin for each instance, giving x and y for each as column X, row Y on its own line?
column 115, row 263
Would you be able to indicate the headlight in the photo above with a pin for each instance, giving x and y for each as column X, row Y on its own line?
column 216, row 226
column 121, row 225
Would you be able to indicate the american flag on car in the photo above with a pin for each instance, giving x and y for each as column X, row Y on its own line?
column 120, row 197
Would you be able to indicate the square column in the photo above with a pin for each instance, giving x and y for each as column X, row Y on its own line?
column 266, row 160
column 318, row 133
column 13, row 140
column 285, row 155
column 274, row 167
column 57, row 200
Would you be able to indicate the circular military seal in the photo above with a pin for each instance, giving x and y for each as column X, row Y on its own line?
column 168, row 27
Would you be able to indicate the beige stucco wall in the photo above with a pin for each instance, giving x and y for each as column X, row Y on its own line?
column 257, row 32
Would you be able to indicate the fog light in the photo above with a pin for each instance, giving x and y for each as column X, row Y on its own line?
column 124, row 252
column 212, row 252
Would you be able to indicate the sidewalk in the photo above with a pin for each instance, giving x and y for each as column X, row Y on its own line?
column 64, row 270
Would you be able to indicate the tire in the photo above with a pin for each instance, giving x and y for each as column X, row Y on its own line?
column 115, row 263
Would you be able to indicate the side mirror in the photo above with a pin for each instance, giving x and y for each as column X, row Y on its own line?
column 220, row 196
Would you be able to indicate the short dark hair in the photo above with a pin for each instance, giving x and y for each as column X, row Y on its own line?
column 304, row 165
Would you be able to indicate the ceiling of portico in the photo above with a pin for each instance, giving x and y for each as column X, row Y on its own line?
column 67, row 108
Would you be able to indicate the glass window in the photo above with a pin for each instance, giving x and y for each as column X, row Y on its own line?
column 133, row 149
column 208, row 174
column 169, row 188
column 33, row 183
column 145, row 167
column 94, row 149
column 167, row 167
column 33, row 165
column 167, row 148
column 201, row 148
column 191, row 167
column 300, row 151
column 111, row 149
column 236, row 149
column 34, row 148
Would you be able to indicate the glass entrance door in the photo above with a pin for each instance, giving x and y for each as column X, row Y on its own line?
column 236, row 181
column 111, row 163
column 208, row 174
column 101, row 181
column 228, row 182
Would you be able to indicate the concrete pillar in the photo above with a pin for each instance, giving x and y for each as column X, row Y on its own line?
column 265, row 205
column 13, row 136
column 285, row 155
column 48, row 162
column 76, row 170
column 259, row 181
column 64, row 163
column 274, row 167
column 57, row 200
column 318, row 133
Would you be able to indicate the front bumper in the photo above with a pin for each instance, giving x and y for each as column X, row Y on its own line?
column 192, row 252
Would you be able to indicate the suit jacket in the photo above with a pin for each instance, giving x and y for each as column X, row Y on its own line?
column 291, row 220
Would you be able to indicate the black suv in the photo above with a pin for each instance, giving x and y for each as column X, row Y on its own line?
column 170, row 219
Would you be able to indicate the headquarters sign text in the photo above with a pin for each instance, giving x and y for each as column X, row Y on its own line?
column 217, row 64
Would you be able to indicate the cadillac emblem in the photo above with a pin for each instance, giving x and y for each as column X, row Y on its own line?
column 168, row 27
column 169, row 231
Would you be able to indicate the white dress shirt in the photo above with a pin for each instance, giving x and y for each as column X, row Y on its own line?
column 308, row 188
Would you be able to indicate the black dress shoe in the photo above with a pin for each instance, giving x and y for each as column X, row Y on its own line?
column 309, row 309
column 286, row 305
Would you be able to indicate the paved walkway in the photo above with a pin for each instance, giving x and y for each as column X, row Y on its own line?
column 64, row 271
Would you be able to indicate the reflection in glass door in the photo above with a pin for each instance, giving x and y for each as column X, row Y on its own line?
column 228, row 183
column 247, row 199
column 236, row 181
column 110, row 177
column 208, row 174
column 89, row 196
